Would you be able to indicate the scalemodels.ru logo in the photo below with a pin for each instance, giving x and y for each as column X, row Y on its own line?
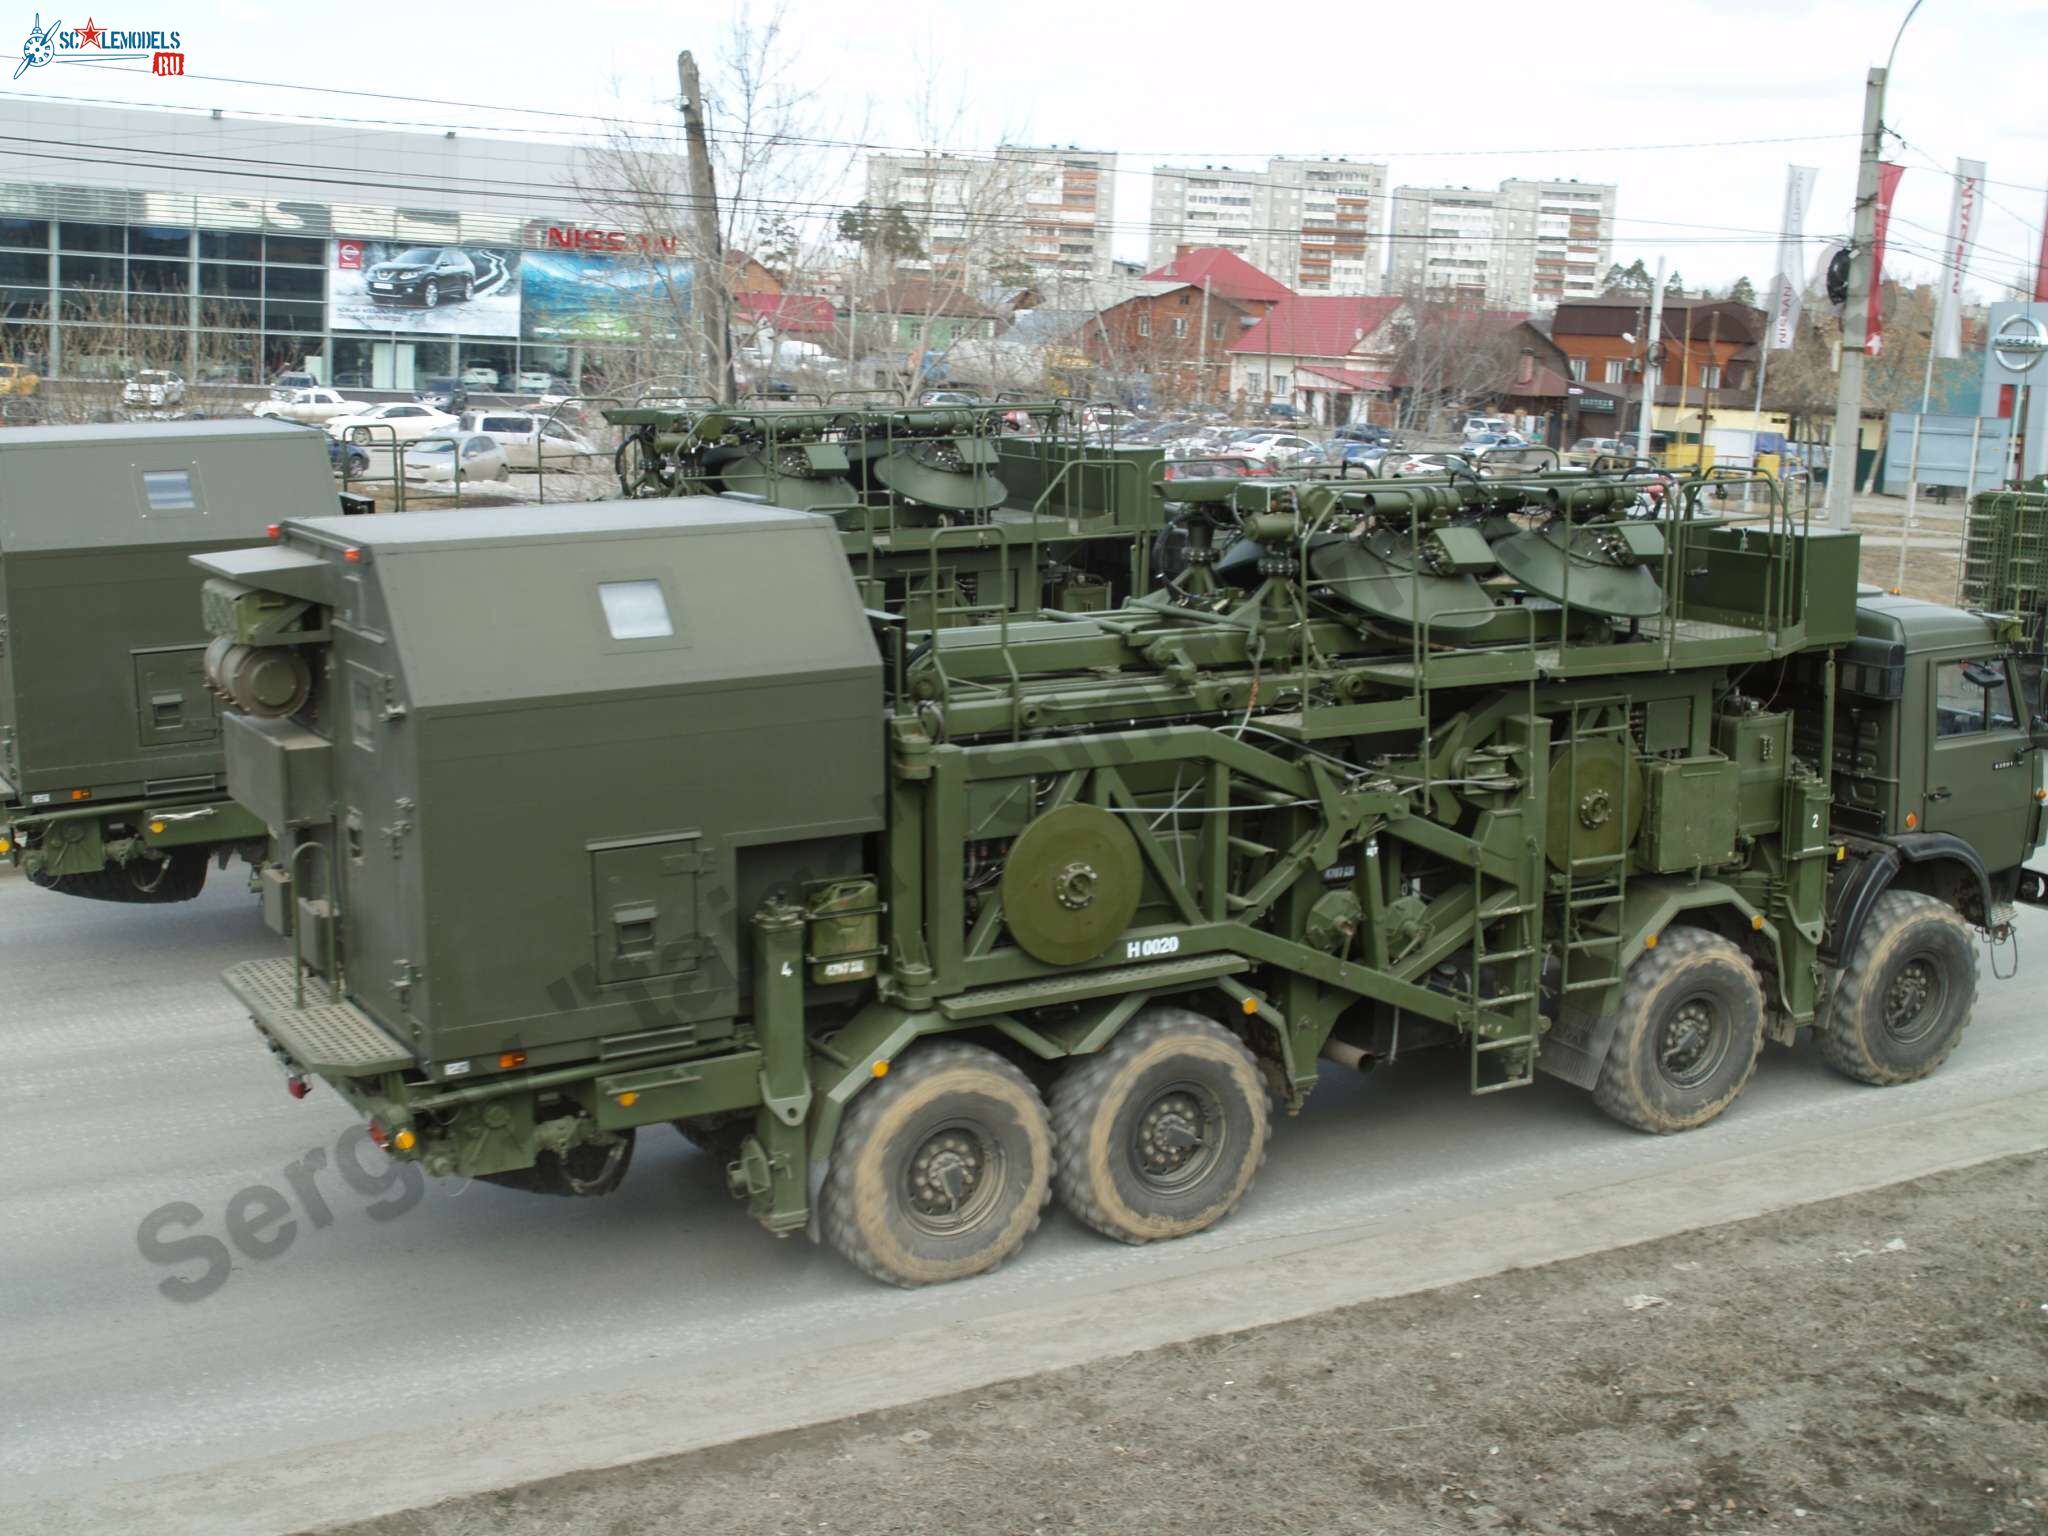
column 95, row 44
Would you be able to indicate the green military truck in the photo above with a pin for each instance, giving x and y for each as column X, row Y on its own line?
column 949, row 514
column 111, row 779
column 626, row 814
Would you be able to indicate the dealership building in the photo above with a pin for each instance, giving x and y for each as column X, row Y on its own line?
column 232, row 248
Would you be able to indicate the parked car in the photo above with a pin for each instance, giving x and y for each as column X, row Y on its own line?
column 525, row 438
column 341, row 456
column 1587, row 449
column 479, row 377
column 18, row 380
column 318, row 405
column 289, row 380
column 946, row 397
column 1280, row 410
column 535, row 381
column 376, row 427
column 1414, row 464
column 1494, row 442
column 434, row 458
column 1480, row 426
column 154, row 389
column 1368, row 454
column 1363, row 432
column 426, row 275
column 444, row 394
column 1279, row 449
column 1221, row 467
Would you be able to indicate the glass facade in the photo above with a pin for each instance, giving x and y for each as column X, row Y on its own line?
column 101, row 300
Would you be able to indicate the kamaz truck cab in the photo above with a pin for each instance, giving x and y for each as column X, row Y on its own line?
column 1938, row 786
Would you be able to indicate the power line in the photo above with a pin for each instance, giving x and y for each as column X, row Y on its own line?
column 439, row 183
column 876, row 147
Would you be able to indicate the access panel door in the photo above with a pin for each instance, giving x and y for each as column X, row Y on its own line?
column 645, row 895
column 172, row 702
column 1980, row 783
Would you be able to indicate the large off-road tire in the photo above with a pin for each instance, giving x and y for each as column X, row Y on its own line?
column 1691, row 1029
column 179, row 876
column 941, row 1169
column 584, row 1172
column 1905, row 994
column 1160, row 1133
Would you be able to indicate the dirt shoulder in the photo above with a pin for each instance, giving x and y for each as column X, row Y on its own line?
column 1872, row 1364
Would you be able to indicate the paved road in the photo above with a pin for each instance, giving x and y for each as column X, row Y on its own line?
column 133, row 1083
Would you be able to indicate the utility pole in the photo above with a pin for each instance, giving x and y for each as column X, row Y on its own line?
column 1650, row 363
column 708, row 282
column 1856, row 310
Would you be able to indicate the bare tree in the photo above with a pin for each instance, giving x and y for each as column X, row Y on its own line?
column 1451, row 355
column 762, row 124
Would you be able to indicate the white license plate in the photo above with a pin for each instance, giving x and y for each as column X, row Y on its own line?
column 381, row 287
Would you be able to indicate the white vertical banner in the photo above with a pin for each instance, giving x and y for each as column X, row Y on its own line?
column 1965, row 213
column 1788, row 282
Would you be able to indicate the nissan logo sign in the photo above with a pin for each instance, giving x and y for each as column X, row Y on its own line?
column 2019, row 342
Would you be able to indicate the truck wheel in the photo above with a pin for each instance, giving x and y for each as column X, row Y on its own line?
column 179, row 876
column 1905, row 995
column 585, row 1172
column 941, row 1169
column 1161, row 1133
column 1691, row 1029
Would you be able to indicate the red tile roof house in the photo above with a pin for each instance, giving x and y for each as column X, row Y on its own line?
column 1177, row 331
column 1329, row 355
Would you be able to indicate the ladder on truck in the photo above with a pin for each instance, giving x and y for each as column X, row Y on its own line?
column 1515, row 911
column 1594, row 884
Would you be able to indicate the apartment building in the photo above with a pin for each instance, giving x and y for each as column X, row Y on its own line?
column 1050, row 206
column 1316, row 225
column 1528, row 245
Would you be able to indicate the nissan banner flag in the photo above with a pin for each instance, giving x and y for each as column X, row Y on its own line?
column 1964, row 214
column 1887, row 183
column 1788, row 285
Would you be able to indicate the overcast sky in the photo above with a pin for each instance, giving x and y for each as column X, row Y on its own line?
column 1447, row 95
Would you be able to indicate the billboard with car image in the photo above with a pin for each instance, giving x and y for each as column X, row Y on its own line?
column 435, row 290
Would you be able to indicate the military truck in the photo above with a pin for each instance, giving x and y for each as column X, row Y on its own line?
column 950, row 515
column 628, row 814
column 111, row 779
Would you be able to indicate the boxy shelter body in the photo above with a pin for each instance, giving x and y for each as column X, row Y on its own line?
column 567, row 749
column 106, row 722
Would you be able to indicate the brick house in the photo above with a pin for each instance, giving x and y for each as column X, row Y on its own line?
column 1178, row 331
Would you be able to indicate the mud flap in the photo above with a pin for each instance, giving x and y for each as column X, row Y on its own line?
column 1576, row 1046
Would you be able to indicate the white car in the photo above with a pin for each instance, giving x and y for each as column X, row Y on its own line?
column 1490, row 442
column 406, row 420
column 480, row 377
column 1414, row 464
column 434, row 458
column 1277, row 449
column 154, row 389
column 526, row 438
column 533, row 381
column 320, row 405
column 1477, row 427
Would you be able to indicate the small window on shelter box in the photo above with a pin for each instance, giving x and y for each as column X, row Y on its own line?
column 636, row 610
column 169, row 490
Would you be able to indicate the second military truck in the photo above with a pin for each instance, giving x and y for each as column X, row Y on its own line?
column 111, row 779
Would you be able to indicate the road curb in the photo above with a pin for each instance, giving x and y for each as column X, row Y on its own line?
column 425, row 1464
